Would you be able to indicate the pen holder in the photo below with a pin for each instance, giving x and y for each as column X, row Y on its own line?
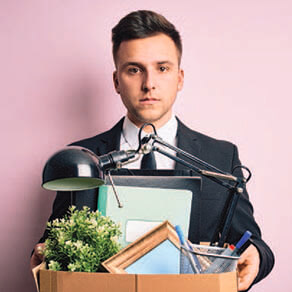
column 207, row 259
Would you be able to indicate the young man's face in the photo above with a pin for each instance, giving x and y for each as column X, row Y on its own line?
column 148, row 78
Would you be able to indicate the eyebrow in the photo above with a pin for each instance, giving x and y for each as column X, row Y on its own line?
column 132, row 64
column 142, row 66
column 165, row 62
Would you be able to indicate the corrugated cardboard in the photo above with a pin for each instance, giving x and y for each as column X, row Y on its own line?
column 51, row 281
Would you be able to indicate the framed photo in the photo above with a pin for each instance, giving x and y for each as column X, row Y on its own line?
column 157, row 252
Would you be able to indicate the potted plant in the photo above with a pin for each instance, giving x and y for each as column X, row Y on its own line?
column 81, row 241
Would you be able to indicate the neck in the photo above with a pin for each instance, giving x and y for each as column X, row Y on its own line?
column 148, row 129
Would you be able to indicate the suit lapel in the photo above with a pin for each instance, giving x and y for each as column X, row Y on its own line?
column 187, row 140
column 110, row 140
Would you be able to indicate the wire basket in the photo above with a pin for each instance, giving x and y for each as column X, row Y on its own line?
column 206, row 260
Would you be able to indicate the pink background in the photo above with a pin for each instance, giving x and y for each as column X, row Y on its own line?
column 56, row 87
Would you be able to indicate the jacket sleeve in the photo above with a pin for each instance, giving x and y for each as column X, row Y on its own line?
column 60, row 208
column 244, row 220
column 63, row 201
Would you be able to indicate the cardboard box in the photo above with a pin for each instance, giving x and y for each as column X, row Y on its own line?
column 51, row 281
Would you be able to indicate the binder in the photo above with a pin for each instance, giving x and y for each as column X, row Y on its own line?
column 145, row 208
column 166, row 179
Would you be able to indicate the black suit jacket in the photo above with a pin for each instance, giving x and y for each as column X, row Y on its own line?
column 222, row 155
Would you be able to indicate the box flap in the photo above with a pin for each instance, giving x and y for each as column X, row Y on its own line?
column 225, row 282
column 229, row 281
column 51, row 281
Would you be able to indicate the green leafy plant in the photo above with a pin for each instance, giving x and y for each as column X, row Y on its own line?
column 81, row 241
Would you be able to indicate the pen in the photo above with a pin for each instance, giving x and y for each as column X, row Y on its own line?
column 184, row 244
column 221, row 264
column 198, row 265
column 245, row 237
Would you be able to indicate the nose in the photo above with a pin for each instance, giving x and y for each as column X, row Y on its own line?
column 148, row 83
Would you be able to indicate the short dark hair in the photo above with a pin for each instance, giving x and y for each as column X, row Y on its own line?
column 141, row 24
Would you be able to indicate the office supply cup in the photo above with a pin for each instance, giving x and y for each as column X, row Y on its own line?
column 204, row 259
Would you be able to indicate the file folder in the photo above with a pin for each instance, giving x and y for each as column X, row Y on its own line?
column 144, row 208
column 166, row 179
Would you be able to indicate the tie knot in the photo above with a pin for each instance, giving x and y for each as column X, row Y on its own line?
column 148, row 161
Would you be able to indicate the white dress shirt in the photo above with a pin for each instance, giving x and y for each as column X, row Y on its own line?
column 129, row 140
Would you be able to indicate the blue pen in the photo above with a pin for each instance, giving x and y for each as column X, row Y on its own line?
column 184, row 244
column 245, row 237
column 221, row 264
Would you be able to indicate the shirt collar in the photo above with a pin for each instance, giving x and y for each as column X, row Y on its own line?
column 167, row 132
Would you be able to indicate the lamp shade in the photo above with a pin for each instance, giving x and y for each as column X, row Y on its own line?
column 72, row 169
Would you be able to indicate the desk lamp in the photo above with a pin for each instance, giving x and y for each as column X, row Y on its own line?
column 76, row 168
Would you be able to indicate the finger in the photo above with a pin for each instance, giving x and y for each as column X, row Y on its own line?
column 243, row 258
column 34, row 261
column 38, row 255
column 39, row 250
column 246, row 275
column 240, row 261
column 245, row 280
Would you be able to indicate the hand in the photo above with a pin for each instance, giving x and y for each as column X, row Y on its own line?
column 37, row 256
column 248, row 267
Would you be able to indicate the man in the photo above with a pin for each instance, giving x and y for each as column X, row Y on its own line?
column 147, row 53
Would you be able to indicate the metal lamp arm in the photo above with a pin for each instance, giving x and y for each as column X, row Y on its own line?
column 193, row 167
column 218, row 176
column 215, row 175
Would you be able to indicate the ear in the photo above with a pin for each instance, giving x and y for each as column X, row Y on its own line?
column 116, row 82
column 180, row 83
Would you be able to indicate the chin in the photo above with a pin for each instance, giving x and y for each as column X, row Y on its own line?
column 156, row 120
column 148, row 119
column 149, row 116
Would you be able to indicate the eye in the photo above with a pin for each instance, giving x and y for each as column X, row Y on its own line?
column 163, row 68
column 134, row 70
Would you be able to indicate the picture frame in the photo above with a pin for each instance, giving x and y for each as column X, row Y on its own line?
column 157, row 252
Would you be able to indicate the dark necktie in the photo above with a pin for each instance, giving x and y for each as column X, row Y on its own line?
column 148, row 161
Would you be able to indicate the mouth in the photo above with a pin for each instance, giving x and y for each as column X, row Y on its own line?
column 148, row 100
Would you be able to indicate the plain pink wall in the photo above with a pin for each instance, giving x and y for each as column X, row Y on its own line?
column 56, row 87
